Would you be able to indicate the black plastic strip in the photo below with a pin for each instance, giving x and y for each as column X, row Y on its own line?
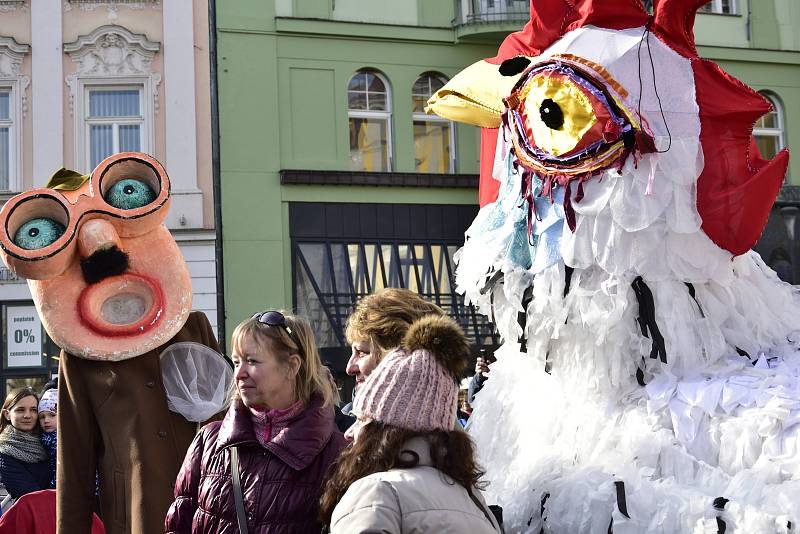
column 647, row 318
column 567, row 278
column 622, row 504
column 640, row 377
column 522, row 317
column 719, row 504
column 694, row 297
column 491, row 282
column 545, row 496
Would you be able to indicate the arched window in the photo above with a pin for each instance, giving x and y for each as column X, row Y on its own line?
column 434, row 142
column 768, row 131
column 369, row 108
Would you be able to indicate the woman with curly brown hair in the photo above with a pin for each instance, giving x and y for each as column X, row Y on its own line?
column 409, row 469
column 378, row 324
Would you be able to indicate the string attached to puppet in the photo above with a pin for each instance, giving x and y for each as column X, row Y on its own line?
column 646, row 36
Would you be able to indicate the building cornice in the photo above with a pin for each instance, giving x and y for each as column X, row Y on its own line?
column 749, row 55
column 390, row 179
column 363, row 30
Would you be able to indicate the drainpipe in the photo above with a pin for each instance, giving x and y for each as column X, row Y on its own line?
column 215, row 170
column 749, row 24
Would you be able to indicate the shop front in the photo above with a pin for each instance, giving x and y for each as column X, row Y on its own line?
column 30, row 358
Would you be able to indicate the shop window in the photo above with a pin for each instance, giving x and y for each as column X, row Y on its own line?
column 114, row 122
column 433, row 136
column 769, row 129
column 331, row 276
column 30, row 357
column 725, row 7
column 369, row 106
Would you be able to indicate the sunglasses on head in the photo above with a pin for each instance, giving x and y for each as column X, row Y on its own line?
column 277, row 319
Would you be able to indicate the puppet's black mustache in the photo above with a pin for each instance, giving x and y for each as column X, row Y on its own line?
column 104, row 263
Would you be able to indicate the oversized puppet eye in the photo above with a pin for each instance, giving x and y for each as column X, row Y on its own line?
column 128, row 194
column 568, row 121
column 38, row 233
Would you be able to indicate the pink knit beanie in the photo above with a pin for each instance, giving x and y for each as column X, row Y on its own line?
column 415, row 386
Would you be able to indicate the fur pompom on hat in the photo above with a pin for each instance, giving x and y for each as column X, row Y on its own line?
column 442, row 337
column 416, row 385
column 49, row 401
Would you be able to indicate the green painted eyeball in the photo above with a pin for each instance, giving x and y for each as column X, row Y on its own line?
column 129, row 194
column 38, row 233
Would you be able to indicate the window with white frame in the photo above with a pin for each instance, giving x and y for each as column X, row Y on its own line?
column 369, row 109
column 6, row 138
column 115, row 121
column 769, row 129
column 726, row 7
column 434, row 146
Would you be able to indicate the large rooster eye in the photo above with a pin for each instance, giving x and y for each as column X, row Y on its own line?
column 565, row 121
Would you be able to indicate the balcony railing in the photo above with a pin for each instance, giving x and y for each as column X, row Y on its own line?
column 491, row 11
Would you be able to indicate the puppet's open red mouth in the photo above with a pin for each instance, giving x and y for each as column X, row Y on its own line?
column 123, row 305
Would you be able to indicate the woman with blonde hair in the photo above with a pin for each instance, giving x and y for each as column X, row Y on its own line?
column 261, row 469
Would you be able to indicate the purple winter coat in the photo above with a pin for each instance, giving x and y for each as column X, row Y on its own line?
column 281, row 483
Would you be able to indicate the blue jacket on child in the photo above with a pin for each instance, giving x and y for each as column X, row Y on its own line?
column 50, row 442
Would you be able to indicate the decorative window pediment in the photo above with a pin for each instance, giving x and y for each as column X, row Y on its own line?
column 11, row 5
column 11, row 56
column 114, row 71
column 112, row 51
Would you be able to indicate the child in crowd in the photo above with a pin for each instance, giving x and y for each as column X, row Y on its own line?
column 48, row 406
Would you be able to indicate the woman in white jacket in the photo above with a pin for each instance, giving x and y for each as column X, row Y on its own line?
column 410, row 469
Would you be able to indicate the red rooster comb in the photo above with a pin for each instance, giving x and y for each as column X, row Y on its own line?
column 737, row 188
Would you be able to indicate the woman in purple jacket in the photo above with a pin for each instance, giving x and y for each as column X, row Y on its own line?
column 281, row 424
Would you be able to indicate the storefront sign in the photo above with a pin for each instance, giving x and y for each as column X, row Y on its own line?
column 23, row 337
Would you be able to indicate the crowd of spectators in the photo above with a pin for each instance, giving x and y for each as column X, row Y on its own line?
column 285, row 456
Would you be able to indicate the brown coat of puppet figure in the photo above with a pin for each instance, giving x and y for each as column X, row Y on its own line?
column 113, row 290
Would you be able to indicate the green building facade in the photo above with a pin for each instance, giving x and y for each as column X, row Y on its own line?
column 334, row 184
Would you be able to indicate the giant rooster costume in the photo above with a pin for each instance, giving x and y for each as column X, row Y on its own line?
column 649, row 378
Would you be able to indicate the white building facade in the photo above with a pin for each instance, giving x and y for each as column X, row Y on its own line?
column 83, row 79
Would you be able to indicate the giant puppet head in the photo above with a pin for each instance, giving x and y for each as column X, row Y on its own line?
column 107, row 277
column 590, row 85
column 619, row 154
